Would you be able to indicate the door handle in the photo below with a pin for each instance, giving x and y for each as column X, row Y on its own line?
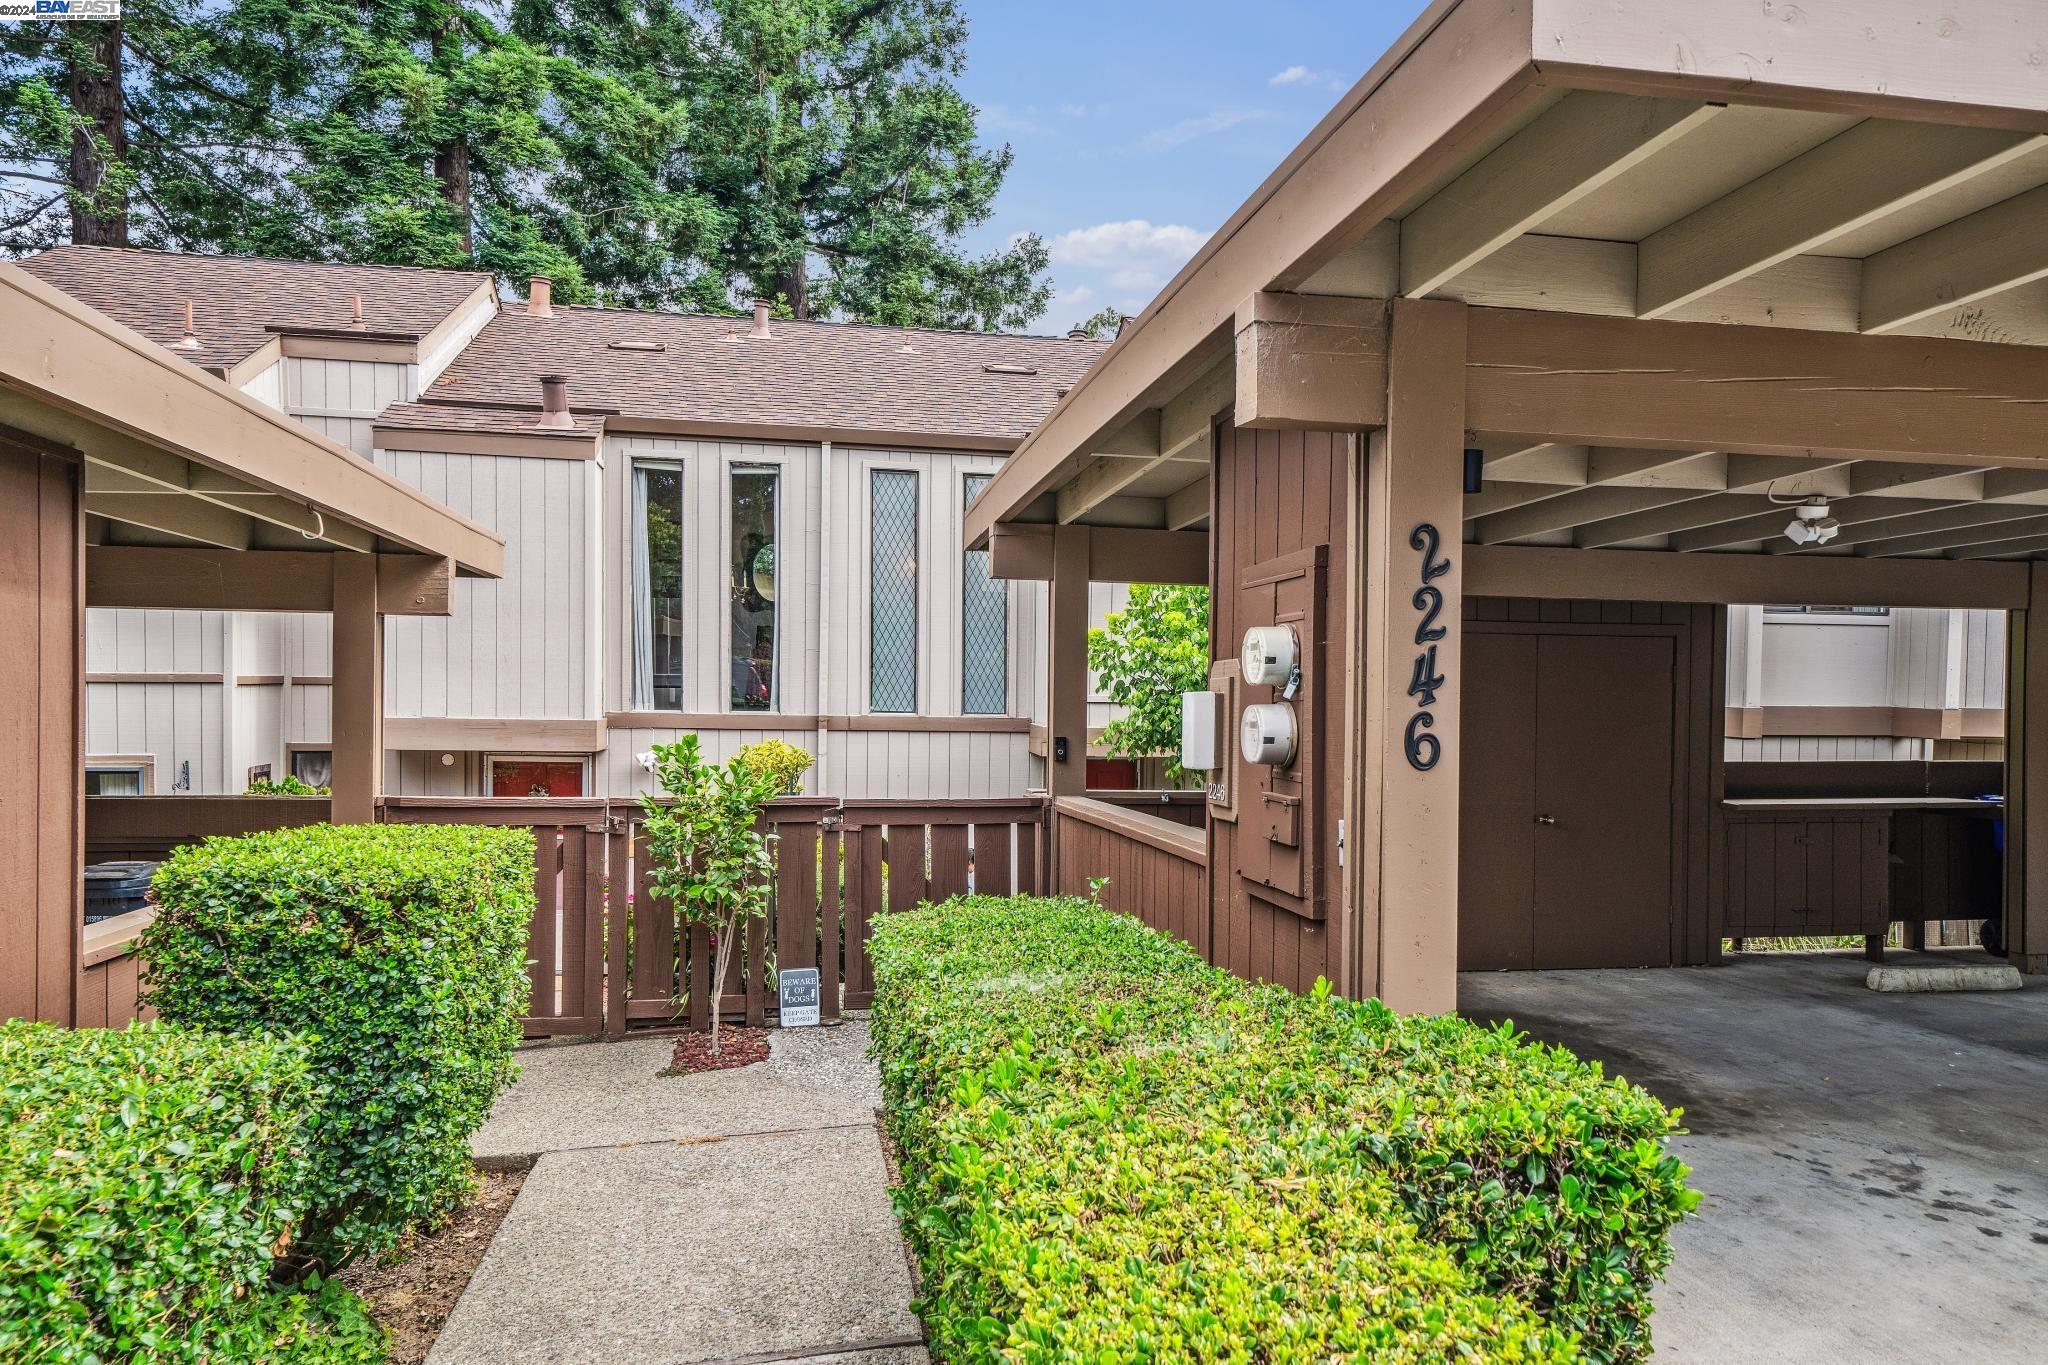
column 1546, row 819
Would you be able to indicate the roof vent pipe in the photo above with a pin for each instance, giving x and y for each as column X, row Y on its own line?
column 760, row 319
column 540, row 297
column 355, row 309
column 188, row 342
column 1077, row 334
column 554, row 401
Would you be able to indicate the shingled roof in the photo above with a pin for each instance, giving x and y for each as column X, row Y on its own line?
column 894, row 382
column 241, row 302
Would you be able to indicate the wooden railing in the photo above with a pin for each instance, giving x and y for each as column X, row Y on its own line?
column 1156, row 869
column 606, row 954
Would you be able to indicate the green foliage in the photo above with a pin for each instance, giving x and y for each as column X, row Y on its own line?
column 149, row 1179
column 398, row 953
column 783, row 763
column 1145, row 656
column 707, row 851
column 1103, row 325
column 288, row 785
column 1111, row 1150
column 676, row 153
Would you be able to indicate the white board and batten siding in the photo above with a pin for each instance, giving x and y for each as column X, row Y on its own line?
column 822, row 624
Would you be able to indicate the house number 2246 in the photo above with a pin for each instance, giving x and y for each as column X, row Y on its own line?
column 1424, row 748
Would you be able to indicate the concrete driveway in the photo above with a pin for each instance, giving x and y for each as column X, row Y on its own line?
column 1875, row 1166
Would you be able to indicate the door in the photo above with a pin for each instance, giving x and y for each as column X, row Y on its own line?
column 1604, row 800
column 1497, row 805
column 1567, row 803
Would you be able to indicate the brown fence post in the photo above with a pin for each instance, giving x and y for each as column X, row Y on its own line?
column 618, row 963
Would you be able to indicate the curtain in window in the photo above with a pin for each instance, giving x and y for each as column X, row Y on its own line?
column 984, row 627
column 657, row 588
column 753, row 588
column 892, row 591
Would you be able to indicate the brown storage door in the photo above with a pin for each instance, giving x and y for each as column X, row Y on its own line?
column 1497, row 805
column 1603, row 823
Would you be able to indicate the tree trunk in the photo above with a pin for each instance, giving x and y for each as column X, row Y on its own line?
column 99, row 216
column 795, row 288
column 721, row 959
column 451, row 168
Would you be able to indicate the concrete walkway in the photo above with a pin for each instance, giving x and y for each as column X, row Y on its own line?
column 738, row 1216
column 1875, row 1166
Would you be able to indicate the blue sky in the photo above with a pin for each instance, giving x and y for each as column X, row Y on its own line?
column 1140, row 125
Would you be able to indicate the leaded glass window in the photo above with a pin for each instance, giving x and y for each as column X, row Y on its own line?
column 892, row 591
column 984, row 626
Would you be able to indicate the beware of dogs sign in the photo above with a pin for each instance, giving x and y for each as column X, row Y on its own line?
column 799, row 989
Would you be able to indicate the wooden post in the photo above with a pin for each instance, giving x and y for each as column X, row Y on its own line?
column 1411, row 579
column 1066, row 689
column 2026, row 778
column 357, row 735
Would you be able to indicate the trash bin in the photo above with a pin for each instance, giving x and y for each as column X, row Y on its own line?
column 116, row 888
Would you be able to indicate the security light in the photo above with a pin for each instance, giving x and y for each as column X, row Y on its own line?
column 1811, row 524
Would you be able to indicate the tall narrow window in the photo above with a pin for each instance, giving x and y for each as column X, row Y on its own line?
column 892, row 591
column 984, row 626
column 658, row 588
column 752, row 587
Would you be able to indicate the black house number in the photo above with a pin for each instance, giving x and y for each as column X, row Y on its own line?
column 1424, row 748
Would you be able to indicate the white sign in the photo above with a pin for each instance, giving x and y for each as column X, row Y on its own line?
column 799, row 990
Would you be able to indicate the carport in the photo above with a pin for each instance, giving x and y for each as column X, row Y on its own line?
column 1501, row 388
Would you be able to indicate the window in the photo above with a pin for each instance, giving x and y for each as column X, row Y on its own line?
column 114, row 779
column 534, row 775
column 314, row 767
column 657, row 588
column 1830, row 611
column 984, row 626
column 752, row 588
column 892, row 591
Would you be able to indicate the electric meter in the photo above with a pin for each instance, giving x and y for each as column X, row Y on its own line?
column 1267, row 734
column 1270, row 656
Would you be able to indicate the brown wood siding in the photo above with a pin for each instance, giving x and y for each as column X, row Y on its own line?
column 1698, row 639
column 1156, row 868
column 42, row 780
column 1278, row 493
column 107, row 993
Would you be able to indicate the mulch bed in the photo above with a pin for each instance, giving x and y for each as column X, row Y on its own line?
column 411, row 1297
column 737, row 1046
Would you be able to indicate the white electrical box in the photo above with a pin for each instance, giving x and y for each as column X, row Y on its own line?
column 1201, row 731
column 1267, row 734
column 1270, row 655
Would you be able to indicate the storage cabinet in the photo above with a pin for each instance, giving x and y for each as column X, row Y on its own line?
column 1811, row 873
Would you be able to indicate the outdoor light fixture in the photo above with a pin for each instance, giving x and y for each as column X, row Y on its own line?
column 1811, row 524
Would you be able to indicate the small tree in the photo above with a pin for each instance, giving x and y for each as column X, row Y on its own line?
column 1145, row 656
column 706, row 851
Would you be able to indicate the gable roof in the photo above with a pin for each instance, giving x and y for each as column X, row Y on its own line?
column 239, row 303
column 708, row 372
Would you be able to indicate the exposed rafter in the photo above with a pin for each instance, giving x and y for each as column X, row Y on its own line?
column 171, row 514
column 1987, row 253
column 1861, row 175
column 1573, row 148
column 2027, row 521
column 1767, row 525
column 1188, row 507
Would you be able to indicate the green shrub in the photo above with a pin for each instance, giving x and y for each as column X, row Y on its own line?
column 1112, row 1150
column 149, row 1178
column 288, row 785
column 398, row 952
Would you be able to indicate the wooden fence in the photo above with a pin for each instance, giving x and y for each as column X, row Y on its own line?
column 605, row 954
column 1157, row 869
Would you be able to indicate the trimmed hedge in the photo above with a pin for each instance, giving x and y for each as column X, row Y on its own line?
column 149, row 1178
column 1111, row 1150
column 398, row 953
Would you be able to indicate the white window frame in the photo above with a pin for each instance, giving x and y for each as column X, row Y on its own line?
column 959, row 508
column 142, row 765
column 758, row 460
column 893, row 463
column 636, row 542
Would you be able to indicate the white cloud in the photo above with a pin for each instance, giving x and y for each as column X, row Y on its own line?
column 1188, row 129
column 1293, row 75
column 1001, row 118
column 1123, row 246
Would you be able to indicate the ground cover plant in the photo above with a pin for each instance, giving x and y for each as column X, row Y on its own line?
column 398, row 953
column 1111, row 1150
column 150, row 1182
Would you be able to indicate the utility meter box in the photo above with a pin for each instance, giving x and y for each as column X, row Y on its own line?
column 1201, row 731
column 1267, row 734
